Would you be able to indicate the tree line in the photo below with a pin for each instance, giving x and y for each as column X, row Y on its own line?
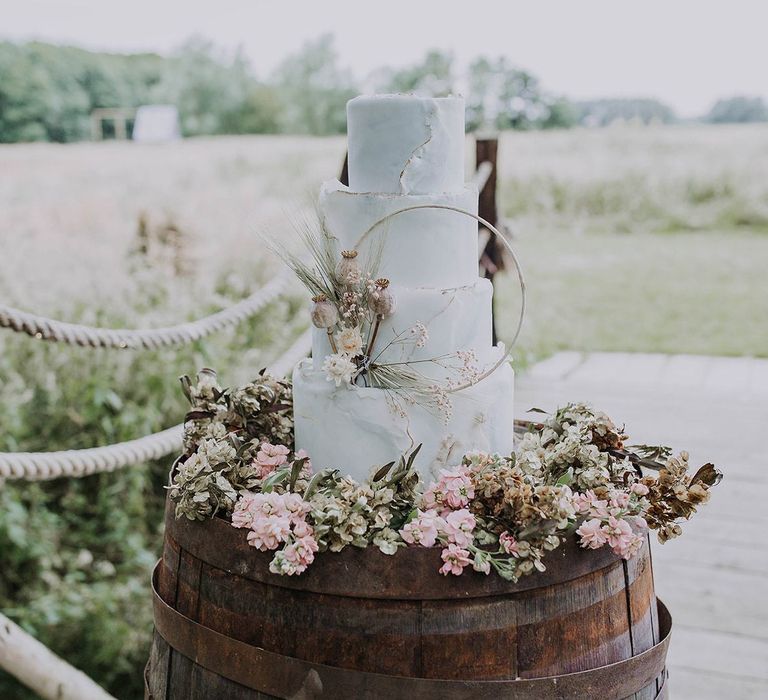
column 47, row 92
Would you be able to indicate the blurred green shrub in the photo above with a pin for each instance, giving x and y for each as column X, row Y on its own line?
column 76, row 554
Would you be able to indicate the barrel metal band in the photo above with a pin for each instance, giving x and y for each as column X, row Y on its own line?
column 286, row 676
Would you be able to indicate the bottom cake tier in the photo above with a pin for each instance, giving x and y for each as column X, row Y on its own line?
column 356, row 428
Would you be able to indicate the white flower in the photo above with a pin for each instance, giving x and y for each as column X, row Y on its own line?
column 420, row 334
column 339, row 368
column 350, row 342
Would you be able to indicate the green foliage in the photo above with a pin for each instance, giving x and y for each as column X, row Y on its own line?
column 501, row 96
column 739, row 109
column 314, row 90
column 47, row 92
column 259, row 112
column 433, row 75
column 76, row 554
column 606, row 112
column 214, row 93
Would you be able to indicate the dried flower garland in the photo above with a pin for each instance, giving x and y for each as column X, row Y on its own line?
column 572, row 475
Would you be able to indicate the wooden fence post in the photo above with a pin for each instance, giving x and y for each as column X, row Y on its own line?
column 41, row 670
column 491, row 255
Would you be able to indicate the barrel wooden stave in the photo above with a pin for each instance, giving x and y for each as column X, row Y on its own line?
column 594, row 620
column 643, row 614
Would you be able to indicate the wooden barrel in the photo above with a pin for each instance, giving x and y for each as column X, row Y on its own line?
column 360, row 624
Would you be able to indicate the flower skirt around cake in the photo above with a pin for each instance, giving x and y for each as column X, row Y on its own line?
column 361, row 624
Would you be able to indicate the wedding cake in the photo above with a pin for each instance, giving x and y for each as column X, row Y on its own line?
column 403, row 355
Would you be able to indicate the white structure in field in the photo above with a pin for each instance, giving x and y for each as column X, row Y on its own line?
column 403, row 151
column 156, row 123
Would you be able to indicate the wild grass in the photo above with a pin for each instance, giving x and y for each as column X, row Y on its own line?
column 651, row 239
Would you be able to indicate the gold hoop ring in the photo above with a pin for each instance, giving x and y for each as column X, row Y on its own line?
column 509, row 248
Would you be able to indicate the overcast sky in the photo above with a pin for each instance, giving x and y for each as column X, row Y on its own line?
column 685, row 52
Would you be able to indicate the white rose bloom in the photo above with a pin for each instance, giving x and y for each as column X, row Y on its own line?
column 350, row 341
column 338, row 369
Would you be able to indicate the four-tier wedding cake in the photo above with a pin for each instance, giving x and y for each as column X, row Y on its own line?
column 426, row 327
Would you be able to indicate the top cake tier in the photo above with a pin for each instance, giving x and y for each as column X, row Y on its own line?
column 404, row 144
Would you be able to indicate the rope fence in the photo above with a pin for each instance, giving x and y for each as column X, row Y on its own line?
column 150, row 339
column 41, row 466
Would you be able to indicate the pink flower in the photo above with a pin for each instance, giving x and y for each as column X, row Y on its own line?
column 629, row 546
column 302, row 529
column 455, row 559
column 269, row 532
column 619, row 500
column 598, row 508
column 592, row 534
column 307, row 468
column 456, row 486
column 301, row 552
column 583, row 502
column 639, row 524
column 270, row 457
column 423, row 529
column 459, row 525
column 431, row 498
column 639, row 489
column 296, row 507
column 242, row 516
column 508, row 543
column 619, row 533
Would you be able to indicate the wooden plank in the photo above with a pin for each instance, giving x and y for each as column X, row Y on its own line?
column 593, row 632
column 180, row 677
column 718, row 529
column 697, row 684
column 157, row 677
column 741, row 655
column 453, row 633
column 206, row 685
column 345, row 632
column 492, row 254
column 695, row 547
column 42, row 671
column 188, row 588
column 686, row 371
column 556, row 367
column 714, row 599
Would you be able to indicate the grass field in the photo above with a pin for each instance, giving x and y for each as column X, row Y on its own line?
column 648, row 239
column 634, row 239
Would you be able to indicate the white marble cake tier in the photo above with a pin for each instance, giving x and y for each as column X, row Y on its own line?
column 406, row 144
column 354, row 429
column 422, row 248
column 406, row 150
column 456, row 319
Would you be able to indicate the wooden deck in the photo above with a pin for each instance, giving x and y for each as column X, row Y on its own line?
column 714, row 578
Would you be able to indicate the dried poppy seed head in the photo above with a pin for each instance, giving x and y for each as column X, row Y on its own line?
column 381, row 301
column 324, row 313
column 348, row 270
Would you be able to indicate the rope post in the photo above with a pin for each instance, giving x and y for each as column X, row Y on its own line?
column 491, row 255
column 344, row 175
column 38, row 668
